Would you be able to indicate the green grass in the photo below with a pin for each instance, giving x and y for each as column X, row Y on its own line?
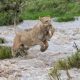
column 65, row 64
column 64, row 10
column 5, row 52
column 35, row 15
column 66, row 18
column 2, row 40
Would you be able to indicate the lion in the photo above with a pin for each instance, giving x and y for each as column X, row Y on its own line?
column 40, row 34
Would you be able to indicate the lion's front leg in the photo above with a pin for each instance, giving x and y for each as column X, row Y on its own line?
column 43, row 44
column 46, row 46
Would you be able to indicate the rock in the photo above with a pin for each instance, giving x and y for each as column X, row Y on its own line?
column 3, row 78
column 36, row 65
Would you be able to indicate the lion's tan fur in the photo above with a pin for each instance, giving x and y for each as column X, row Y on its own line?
column 38, row 35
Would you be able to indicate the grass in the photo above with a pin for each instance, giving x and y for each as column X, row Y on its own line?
column 54, row 73
column 5, row 52
column 65, row 64
column 65, row 18
column 63, row 9
column 2, row 40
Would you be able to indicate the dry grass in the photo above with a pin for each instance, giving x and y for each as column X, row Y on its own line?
column 65, row 64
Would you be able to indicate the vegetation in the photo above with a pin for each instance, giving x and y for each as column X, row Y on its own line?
column 10, row 11
column 64, row 10
column 65, row 18
column 5, row 52
column 66, row 64
column 2, row 40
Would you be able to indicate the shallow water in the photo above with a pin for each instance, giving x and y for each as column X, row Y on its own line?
column 36, row 64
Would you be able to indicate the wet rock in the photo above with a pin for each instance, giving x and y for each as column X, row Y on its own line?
column 3, row 78
column 36, row 65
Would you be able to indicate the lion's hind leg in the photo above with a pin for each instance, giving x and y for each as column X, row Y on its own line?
column 23, row 50
column 18, row 51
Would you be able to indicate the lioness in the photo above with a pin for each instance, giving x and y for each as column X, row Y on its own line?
column 40, row 34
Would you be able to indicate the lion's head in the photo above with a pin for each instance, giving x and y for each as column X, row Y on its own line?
column 45, row 20
column 47, row 27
